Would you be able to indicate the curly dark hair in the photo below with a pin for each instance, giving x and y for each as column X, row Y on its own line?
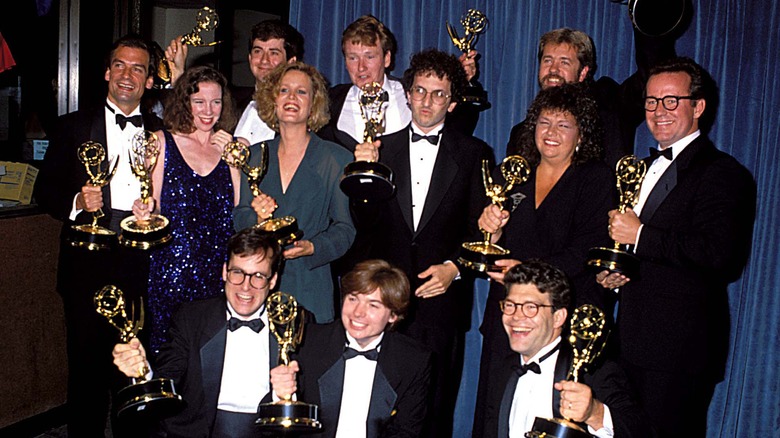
column 270, row 29
column 442, row 65
column 178, row 112
column 575, row 100
column 546, row 277
column 268, row 90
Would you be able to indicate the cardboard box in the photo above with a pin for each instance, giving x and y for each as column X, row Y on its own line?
column 17, row 181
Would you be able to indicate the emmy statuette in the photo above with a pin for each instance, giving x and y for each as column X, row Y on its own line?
column 587, row 340
column 93, row 236
column 630, row 173
column 155, row 231
column 482, row 256
column 205, row 21
column 285, row 320
column 369, row 180
column 474, row 23
column 155, row 398
column 238, row 155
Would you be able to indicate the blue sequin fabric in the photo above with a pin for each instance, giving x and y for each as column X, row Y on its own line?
column 190, row 266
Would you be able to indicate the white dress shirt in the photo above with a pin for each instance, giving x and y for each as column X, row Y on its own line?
column 396, row 117
column 252, row 127
column 356, row 395
column 422, row 157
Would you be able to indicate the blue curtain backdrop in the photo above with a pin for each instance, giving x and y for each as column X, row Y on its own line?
column 735, row 40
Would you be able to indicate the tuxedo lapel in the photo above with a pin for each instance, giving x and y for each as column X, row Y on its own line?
column 97, row 133
column 444, row 170
column 331, row 385
column 383, row 398
column 212, row 358
column 506, row 404
column 562, row 366
column 397, row 157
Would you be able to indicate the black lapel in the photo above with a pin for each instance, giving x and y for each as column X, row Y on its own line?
column 383, row 398
column 331, row 385
column 396, row 155
column 444, row 171
column 562, row 366
column 212, row 358
column 507, row 398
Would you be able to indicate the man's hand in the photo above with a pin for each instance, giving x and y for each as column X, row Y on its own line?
column 143, row 210
column 624, row 227
column 90, row 198
column 368, row 151
column 578, row 404
column 505, row 264
column 611, row 280
column 441, row 275
column 130, row 358
column 301, row 248
column 283, row 380
column 493, row 220
column 469, row 63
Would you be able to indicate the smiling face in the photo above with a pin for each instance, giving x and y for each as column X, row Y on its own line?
column 128, row 77
column 206, row 105
column 556, row 136
column 670, row 126
column 244, row 298
column 560, row 65
column 426, row 114
column 529, row 335
column 365, row 317
column 265, row 55
column 294, row 102
column 366, row 64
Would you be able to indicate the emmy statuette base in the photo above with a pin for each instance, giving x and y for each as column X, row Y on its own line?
column 556, row 428
column 367, row 181
column 288, row 416
column 481, row 256
column 156, row 398
column 285, row 229
column 145, row 235
column 614, row 260
column 476, row 97
column 91, row 237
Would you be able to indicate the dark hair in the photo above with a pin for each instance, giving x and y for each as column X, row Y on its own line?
column 574, row 99
column 270, row 29
column 580, row 41
column 268, row 90
column 366, row 30
column 443, row 65
column 703, row 86
column 178, row 112
column 136, row 42
column 370, row 275
column 546, row 277
column 254, row 241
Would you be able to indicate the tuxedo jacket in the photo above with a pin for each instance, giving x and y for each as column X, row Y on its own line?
column 608, row 383
column 400, row 389
column 194, row 359
column 698, row 223
column 453, row 204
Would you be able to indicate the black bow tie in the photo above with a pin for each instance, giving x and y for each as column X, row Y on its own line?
column 136, row 120
column 533, row 367
column 349, row 353
column 432, row 139
column 655, row 153
column 255, row 324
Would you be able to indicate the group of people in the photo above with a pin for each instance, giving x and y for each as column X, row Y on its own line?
column 389, row 362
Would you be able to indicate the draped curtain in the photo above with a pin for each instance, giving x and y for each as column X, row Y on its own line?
column 735, row 40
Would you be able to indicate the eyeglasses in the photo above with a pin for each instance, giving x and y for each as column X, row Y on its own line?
column 669, row 102
column 530, row 310
column 439, row 97
column 238, row 277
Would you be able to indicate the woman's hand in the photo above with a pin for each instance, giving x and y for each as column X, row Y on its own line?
column 300, row 248
column 264, row 206
column 368, row 151
column 493, row 220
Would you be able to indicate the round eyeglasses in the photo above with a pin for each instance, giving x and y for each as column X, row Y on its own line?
column 669, row 102
column 529, row 309
column 238, row 277
column 439, row 97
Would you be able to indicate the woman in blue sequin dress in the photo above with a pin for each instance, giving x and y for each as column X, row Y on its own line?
column 194, row 189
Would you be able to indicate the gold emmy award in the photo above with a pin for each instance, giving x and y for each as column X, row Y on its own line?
column 146, row 233
column 474, row 23
column 370, row 180
column 238, row 155
column 206, row 20
column 285, row 320
column 587, row 340
column 482, row 256
column 154, row 398
column 93, row 236
column 630, row 173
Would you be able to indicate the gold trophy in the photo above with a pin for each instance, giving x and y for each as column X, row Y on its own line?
column 285, row 320
column 587, row 340
column 630, row 173
column 93, row 236
column 482, row 256
column 370, row 180
column 206, row 20
column 238, row 155
column 142, row 398
column 474, row 23
column 152, row 232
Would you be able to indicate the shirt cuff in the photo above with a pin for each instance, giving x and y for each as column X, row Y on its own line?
column 73, row 210
column 457, row 276
column 638, row 233
column 607, row 428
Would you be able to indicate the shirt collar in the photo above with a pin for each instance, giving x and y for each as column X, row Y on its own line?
column 680, row 144
column 115, row 109
column 352, row 342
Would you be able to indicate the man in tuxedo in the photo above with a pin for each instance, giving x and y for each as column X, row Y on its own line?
column 566, row 55
column 367, row 379
column 64, row 192
column 532, row 379
column 691, row 230
column 439, row 196
column 221, row 349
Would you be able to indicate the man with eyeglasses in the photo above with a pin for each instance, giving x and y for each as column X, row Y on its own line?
column 221, row 351
column 691, row 230
column 531, row 381
column 421, row 227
